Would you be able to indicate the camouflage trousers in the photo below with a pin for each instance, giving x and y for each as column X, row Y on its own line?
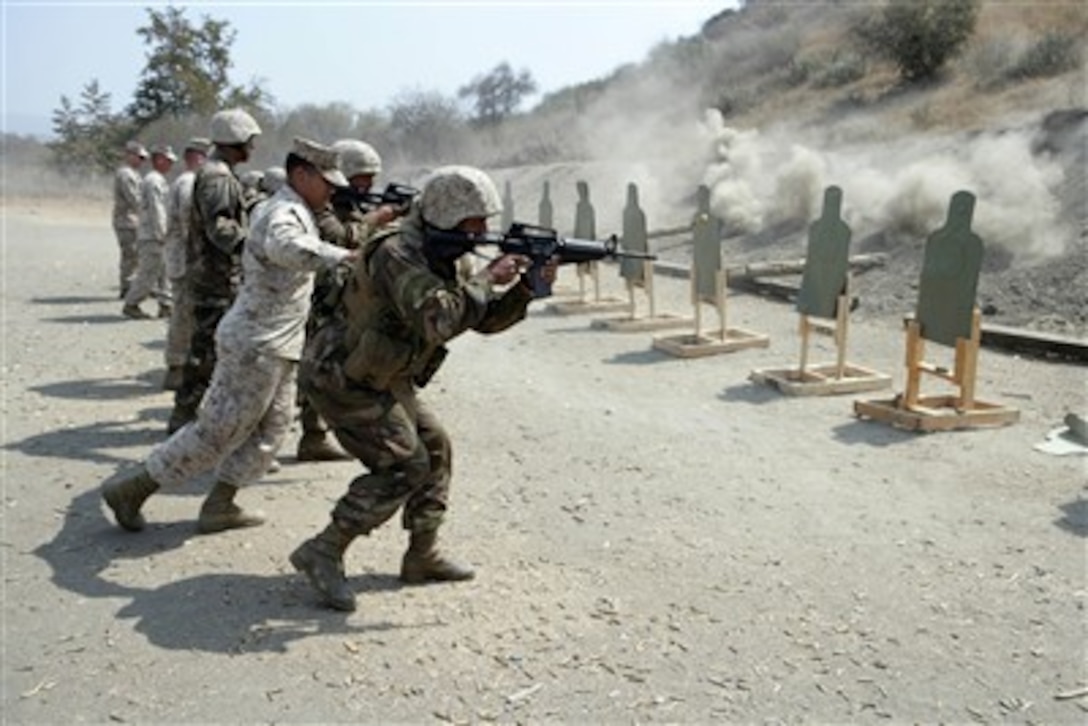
column 241, row 424
column 180, row 331
column 149, row 279
column 201, row 362
column 403, row 445
column 126, row 244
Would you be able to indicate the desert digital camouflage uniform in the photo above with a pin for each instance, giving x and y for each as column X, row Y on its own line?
column 247, row 409
column 362, row 372
column 150, row 279
column 218, row 225
column 178, row 206
column 126, row 215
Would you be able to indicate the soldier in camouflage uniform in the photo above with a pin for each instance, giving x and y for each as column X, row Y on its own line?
column 178, row 207
column 403, row 303
column 126, row 210
column 149, row 279
column 218, row 225
column 342, row 222
column 246, row 412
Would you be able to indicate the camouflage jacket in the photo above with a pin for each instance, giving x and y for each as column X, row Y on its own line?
column 178, row 204
column 217, row 228
column 153, row 217
column 400, row 311
column 126, row 198
column 280, row 257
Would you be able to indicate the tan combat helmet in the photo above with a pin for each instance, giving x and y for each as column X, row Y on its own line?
column 452, row 194
column 357, row 157
column 233, row 126
column 136, row 148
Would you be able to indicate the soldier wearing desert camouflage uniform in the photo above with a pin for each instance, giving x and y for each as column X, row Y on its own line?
column 362, row 371
column 126, row 210
column 218, row 224
column 246, row 413
column 150, row 279
column 342, row 222
column 178, row 205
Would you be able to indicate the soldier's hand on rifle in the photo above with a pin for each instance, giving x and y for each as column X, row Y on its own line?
column 505, row 269
column 382, row 215
column 550, row 270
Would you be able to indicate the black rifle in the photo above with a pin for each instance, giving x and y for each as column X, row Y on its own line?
column 539, row 244
column 396, row 195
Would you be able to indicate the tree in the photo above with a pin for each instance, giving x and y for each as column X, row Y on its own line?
column 919, row 36
column 428, row 126
column 88, row 134
column 498, row 93
column 187, row 69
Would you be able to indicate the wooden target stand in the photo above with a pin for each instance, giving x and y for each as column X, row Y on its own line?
column 943, row 412
column 824, row 305
column 828, row 378
column 585, row 227
column 708, row 285
column 638, row 274
column 945, row 307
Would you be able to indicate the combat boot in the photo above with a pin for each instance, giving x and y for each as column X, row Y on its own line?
column 424, row 563
column 181, row 415
column 135, row 312
column 321, row 559
column 220, row 513
column 173, row 378
column 315, row 446
column 125, row 496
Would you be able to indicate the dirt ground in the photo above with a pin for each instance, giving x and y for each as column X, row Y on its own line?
column 657, row 539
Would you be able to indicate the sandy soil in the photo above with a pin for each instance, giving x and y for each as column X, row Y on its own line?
column 657, row 540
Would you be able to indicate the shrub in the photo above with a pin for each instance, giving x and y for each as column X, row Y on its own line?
column 919, row 36
column 1053, row 54
column 843, row 68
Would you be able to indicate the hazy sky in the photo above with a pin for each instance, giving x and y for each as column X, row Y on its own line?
column 361, row 53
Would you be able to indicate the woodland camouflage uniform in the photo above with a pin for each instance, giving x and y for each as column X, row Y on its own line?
column 362, row 371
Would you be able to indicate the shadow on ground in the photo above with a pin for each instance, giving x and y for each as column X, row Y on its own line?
column 215, row 612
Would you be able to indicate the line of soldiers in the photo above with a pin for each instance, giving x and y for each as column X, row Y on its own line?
column 360, row 306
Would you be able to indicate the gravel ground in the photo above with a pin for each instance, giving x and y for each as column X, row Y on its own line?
column 657, row 539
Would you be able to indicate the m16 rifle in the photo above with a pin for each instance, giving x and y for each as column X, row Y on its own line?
column 399, row 196
column 539, row 244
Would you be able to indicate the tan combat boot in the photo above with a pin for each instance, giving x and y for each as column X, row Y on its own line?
column 315, row 446
column 219, row 512
column 321, row 559
column 126, row 495
column 424, row 563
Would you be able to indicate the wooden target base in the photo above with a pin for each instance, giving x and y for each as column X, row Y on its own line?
column 580, row 307
column 936, row 413
column 821, row 380
column 690, row 345
column 642, row 325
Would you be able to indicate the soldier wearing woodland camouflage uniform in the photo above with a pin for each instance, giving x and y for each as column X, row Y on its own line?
column 246, row 412
column 218, row 225
column 403, row 303
column 149, row 279
column 342, row 222
column 179, row 204
column 126, row 210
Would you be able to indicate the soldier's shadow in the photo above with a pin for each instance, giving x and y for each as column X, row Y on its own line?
column 215, row 612
column 102, row 442
column 104, row 389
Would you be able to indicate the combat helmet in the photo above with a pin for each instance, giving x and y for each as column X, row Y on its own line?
column 357, row 157
column 455, row 193
column 233, row 126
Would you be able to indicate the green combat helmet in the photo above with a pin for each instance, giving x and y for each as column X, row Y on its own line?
column 452, row 194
